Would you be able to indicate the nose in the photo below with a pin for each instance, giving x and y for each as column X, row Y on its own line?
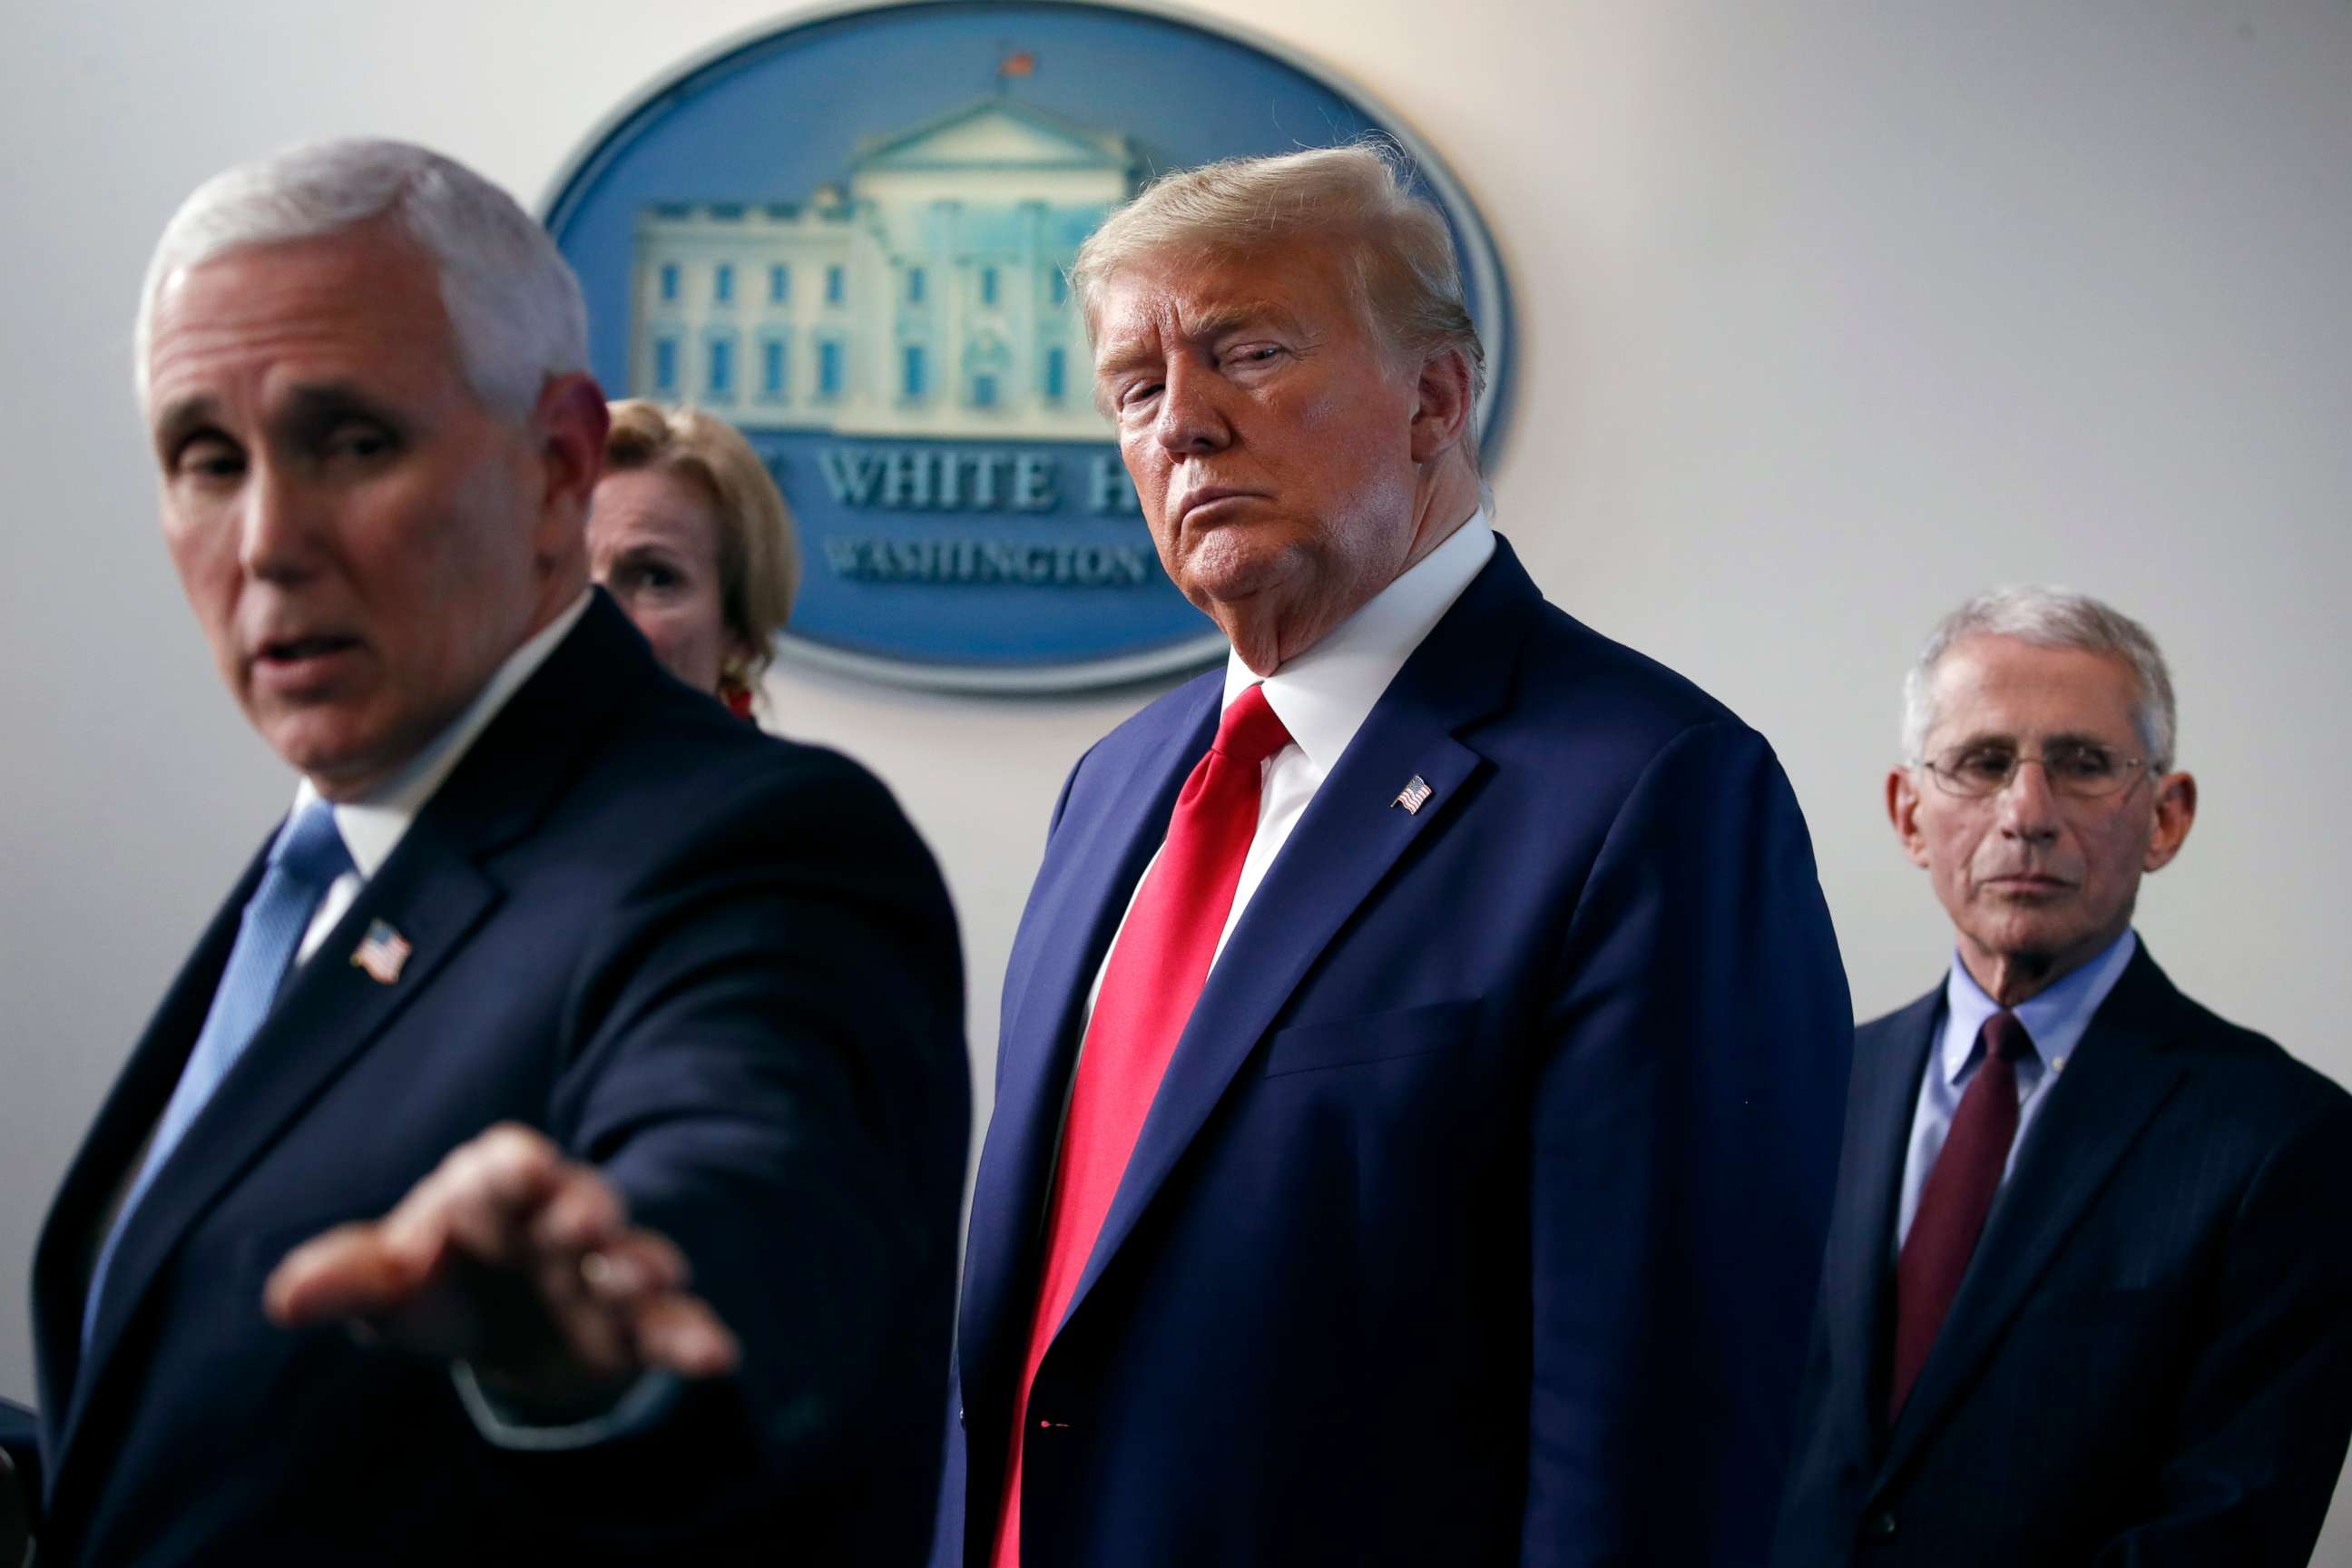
column 275, row 539
column 2028, row 810
column 1192, row 420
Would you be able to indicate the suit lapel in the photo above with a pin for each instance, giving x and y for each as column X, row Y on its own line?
column 433, row 891
column 329, row 1015
column 1859, row 1288
column 2117, row 1079
column 1096, row 860
column 116, row 1140
column 1343, row 847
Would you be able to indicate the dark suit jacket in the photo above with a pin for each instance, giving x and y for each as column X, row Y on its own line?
column 20, row 1443
column 1477, row 1217
column 20, row 1479
column 2150, row 1358
column 721, row 966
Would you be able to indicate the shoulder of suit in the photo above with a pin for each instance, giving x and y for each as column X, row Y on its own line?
column 1568, row 665
column 1567, row 676
column 1171, row 711
column 1900, row 1026
column 680, row 762
column 2245, row 1063
column 1892, row 1023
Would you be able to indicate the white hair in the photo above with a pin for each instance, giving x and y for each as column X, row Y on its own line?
column 2048, row 617
column 514, row 306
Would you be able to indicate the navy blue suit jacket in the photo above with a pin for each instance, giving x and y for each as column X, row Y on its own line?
column 721, row 966
column 1478, row 1215
column 2150, row 1362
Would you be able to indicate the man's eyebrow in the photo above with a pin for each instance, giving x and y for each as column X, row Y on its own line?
column 2081, row 738
column 307, row 406
column 1124, row 356
column 2016, row 740
column 183, row 417
column 1208, row 325
column 1120, row 357
column 1223, row 321
column 309, row 402
column 1987, row 737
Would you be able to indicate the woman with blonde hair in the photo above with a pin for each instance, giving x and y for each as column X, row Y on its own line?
column 692, row 538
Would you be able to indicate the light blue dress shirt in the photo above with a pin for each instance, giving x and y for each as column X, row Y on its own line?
column 2055, row 1019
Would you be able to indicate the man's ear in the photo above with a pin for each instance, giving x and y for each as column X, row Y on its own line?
column 1902, row 811
column 2176, row 811
column 568, row 429
column 1442, row 409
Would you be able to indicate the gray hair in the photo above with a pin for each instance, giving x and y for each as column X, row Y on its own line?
column 514, row 306
column 1404, row 275
column 2049, row 617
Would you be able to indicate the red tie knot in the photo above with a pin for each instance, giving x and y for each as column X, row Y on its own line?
column 1250, row 731
column 2005, row 1037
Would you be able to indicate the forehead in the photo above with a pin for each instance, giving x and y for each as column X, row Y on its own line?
column 655, row 500
column 2000, row 686
column 1196, row 294
column 360, row 307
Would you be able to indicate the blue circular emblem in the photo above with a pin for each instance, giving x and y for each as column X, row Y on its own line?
column 849, row 236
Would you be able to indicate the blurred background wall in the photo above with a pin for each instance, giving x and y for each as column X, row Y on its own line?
column 1826, row 316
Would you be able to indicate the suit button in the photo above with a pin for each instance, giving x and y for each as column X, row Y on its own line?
column 1882, row 1524
column 958, row 1414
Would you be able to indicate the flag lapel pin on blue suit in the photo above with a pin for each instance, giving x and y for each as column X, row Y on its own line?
column 381, row 952
column 1414, row 795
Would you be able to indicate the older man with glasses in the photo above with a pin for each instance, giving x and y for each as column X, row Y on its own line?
column 2088, row 1296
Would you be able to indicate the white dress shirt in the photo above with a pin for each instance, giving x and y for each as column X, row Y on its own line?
column 2054, row 1019
column 1323, row 697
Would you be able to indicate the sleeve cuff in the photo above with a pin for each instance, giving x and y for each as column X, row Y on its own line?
column 640, row 1405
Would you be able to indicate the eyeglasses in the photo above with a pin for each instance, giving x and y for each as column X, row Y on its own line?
column 2080, row 770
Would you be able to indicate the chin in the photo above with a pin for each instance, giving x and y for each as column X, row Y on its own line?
column 323, row 751
column 2035, row 944
column 1220, row 575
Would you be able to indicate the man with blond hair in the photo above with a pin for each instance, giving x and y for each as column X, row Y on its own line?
column 1422, row 1053
column 2087, row 1297
column 550, row 1151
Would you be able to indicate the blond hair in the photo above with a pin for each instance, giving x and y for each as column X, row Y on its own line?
column 759, row 554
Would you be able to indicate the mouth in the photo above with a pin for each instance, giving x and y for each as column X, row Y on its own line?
column 2029, row 884
column 1206, row 504
column 288, row 662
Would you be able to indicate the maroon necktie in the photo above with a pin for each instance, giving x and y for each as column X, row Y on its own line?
column 1953, row 1204
column 1158, row 965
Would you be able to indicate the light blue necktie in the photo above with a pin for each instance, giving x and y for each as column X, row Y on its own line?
column 304, row 862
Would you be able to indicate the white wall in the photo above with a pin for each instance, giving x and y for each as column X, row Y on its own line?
column 1827, row 315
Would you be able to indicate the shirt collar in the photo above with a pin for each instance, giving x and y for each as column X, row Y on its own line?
column 373, row 825
column 1323, row 695
column 2055, row 1017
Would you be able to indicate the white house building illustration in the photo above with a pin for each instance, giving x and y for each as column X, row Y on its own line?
column 926, row 297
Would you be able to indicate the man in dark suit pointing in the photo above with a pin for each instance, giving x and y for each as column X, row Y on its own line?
column 687, row 1298
column 2088, row 1297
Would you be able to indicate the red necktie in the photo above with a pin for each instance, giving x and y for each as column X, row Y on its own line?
column 1953, row 1204
column 1158, row 965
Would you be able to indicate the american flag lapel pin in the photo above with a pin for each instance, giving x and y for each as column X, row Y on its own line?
column 1414, row 795
column 381, row 952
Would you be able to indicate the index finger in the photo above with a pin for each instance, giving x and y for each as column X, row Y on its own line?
column 351, row 1271
column 480, row 1195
